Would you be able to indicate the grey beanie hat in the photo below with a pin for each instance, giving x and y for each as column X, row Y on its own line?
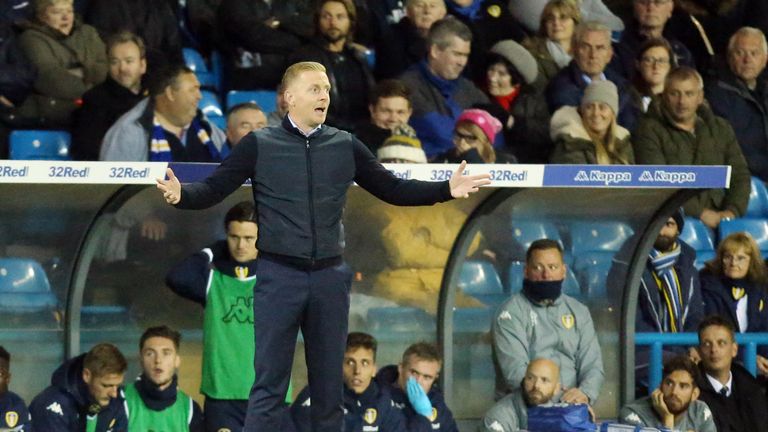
column 520, row 58
column 602, row 91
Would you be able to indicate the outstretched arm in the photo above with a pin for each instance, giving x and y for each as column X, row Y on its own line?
column 463, row 185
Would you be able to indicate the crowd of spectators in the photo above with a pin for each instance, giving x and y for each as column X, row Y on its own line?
column 488, row 81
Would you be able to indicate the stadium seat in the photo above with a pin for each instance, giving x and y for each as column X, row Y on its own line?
column 757, row 228
column 758, row 199
column 472, row 320
column 571, row 285
column 24, row 287
column 697, row 235
column 404, row 320
column 39, row 144
column 220, row 122
column 480, row 280
column 515, row 276
column 593, row 268
column 195, row 61
column 101, row 316
column 266, row 99
column 702, row 257
column 598, row 236
column 209, row 104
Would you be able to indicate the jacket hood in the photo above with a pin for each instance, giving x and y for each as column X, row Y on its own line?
column 69, row 378
column 567, row 122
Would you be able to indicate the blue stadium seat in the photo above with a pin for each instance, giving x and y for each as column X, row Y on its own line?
column 266, row 99
column 593, row 268
column 195, row 61
column 758, row 199
column 598, row 236
column 39, row 144
column 571, row 285
column 220, row 122
column 702, row 257
column 399, row 320
column 104, row 316
column 24, row 287
column 480, row 280
column 758, row 228
column 515, row 276
column 209, row 104
column 472, row 320
column 697, row 235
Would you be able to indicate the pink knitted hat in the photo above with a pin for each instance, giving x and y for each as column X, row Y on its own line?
column 488, row 123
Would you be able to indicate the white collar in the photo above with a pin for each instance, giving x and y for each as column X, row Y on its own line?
column 293, row 123
column 717, row 386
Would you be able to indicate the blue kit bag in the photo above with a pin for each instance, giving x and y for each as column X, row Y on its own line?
column 560, row 418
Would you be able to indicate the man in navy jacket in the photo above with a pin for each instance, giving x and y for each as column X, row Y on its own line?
column 84, row 394
column 300, row 172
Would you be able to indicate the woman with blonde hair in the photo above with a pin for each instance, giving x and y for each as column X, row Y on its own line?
column 589, row 134
column 552, row 46
column 733, row 285
column 473, row 138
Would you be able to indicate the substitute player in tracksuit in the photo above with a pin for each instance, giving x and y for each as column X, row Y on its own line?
column 368, row 407
column 13, row 411
column 221, row 278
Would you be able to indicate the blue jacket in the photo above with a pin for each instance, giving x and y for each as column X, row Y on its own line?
column 718, row 300
column 14, row 413
column 567, row 88
column 747, row 112
column 442, row 417
column 63, row 406
column 371, row 411
column 437, row 103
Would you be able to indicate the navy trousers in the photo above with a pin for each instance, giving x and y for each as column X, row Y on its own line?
column 286, row 299
column 224, row 414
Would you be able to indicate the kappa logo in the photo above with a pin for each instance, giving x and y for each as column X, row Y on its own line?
column 11, row 418
column 307, row 402
column 241, row 311
column 568, row 321
column 55, row 408
column 496, row 426
column 707, row 413
column 662, row 176
column 505, row 316
column 633, row 418
column 605, row 177
column 370, row 416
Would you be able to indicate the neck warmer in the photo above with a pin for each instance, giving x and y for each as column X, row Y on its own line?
column 160, row 149
column 540, row 291
column 153, row 397
column 558, row 54
column 446, row 87
column 663, row 265
column 472, row 11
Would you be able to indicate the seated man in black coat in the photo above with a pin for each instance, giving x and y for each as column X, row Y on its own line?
column 105, row 103
column 737, row 401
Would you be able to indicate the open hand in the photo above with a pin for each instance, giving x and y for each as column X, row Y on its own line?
column 462, row 186
column 170, row 188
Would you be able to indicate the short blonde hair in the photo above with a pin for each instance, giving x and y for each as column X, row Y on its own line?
column 296, row 69
column 42, row 5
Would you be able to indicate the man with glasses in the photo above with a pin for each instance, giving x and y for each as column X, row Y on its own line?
column 541, row 322
column 650, row 20
column 412, row 385
column 740, row 95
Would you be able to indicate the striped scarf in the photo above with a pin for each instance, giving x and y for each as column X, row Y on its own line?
column 664, row 273
column 160, row 149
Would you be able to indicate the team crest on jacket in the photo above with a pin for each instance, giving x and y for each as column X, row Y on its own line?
column 494, row 11
column 11, row 418
column 568, row 321
column 241, row 272
column 370, row 416
column 433, row 417
column 737, row 293
column 760, row 308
